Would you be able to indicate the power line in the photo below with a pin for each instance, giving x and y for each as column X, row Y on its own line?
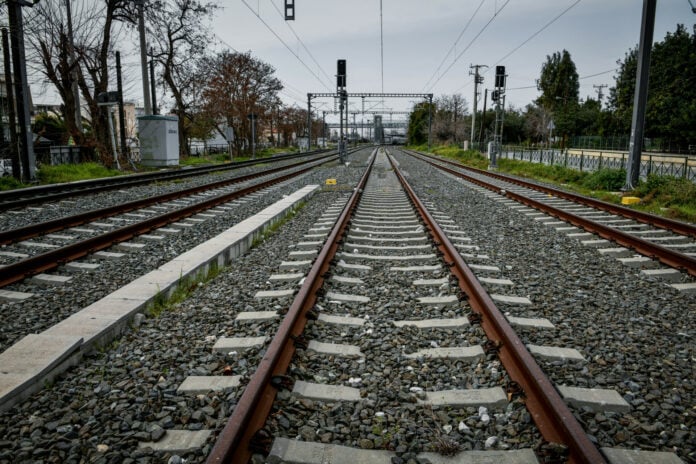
column 225, row 43
column 527, row 40
column 286, row 45
column 495, row 15
column 538, row 32
column 454, row 44
column 381, row 43
column 300, row 40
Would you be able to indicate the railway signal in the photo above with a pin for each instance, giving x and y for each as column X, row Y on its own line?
column 498, row 96
column 289, row 10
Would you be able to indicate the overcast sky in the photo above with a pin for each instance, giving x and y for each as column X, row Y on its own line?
column 428, row 44
column 418, row 35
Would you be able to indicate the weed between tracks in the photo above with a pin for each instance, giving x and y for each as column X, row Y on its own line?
column 184, row 288
column 273, row 228
column 187, row 285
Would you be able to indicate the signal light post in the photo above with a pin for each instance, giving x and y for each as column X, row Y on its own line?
column 343, row 104
column 497, row 95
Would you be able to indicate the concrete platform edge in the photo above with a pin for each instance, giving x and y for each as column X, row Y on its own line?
column 244, row 233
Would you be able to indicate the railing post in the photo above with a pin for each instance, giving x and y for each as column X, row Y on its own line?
column 582, row 160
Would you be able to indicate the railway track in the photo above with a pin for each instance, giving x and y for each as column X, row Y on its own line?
column 20, row 198
column 334, row 311
column 194, row 366
column 670, row 242
column 128, row 220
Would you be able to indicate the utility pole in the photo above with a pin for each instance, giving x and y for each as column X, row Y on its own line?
column 309, row 120
column 14, row 154
column 73, row 69
column 121, row 116
column 600, row 94
column 152, row 83
column 455, row 120
column 143, row 56
column 483, row 114
column 478, row 79
column 430, row 119
column 26, row 142
column 635, row 146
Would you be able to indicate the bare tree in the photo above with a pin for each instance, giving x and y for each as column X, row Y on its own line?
column 96, row 26
column 239, row 85
column 178, row 38
column 449, row 125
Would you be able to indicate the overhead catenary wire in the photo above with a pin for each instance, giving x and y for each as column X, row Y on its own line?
column 495, row 15
column 536, row 33
column 282, row 15
column 286, row 45
column 466, row 27
column 524, row 42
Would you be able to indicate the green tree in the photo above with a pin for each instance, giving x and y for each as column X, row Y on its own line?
column 671, row 106
column 559, row 85
column 418, row 123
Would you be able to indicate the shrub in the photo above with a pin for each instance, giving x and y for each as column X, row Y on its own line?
column 605, row 179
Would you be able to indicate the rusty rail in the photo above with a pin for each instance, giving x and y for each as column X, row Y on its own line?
column 548, row 410
column 665, row 255
column 33, row 230
column 19, row 198
column 250, row 413
column 46, row 261
column 640, row 216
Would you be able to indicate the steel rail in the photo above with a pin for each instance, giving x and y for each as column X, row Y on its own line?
column 251, row 411
column 665, row 255
column 548, row 410
column 23, row 233
column 42, row 194
column 640, row 216
column 50, row 260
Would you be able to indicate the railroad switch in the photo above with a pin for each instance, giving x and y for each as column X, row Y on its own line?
column 282, row 382
column 261, row 442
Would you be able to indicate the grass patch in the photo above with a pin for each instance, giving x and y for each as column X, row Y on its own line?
column 662, row 195
column 668, row 196
column 10, row 183
column 469, row 157
column 273, row 228
column 74, row 172
column 553, row 174
column 184, row 288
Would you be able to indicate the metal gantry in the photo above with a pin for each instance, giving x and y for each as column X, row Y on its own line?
column 344, row 96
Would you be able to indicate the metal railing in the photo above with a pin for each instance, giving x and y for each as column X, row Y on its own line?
column 592, row 160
